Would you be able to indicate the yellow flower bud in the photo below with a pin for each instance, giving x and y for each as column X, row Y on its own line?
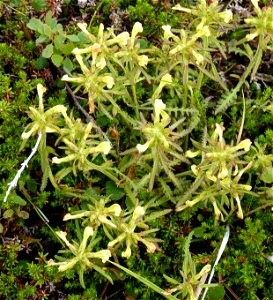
column 167, row 32
column 226, row 15
column 103, row 147
column 142, row 60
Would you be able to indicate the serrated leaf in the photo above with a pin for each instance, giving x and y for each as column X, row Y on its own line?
column 35, row 25
column 226, row 101
column 48, row 51
column 112, row 190
column 32, row 185
column 23, row 214
column 68, row 64
column 57, row 59
column 267, row 175
column 158, row 214
column 8, row 213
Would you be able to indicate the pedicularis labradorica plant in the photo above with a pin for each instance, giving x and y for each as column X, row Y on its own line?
column 163, row 157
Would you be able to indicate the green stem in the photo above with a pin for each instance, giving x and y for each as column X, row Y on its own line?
column 201, row 74
column 93, row 17
column 133, row 86
column 145, row 281
column 259, row 208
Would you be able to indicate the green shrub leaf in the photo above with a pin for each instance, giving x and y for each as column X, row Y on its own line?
column 8, row 213
column 48, row 51
column 57, row 59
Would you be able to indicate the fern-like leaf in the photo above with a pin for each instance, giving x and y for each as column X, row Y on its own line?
column 226, row 101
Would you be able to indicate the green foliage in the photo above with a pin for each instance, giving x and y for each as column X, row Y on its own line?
column 59, row 44
column 150, row 143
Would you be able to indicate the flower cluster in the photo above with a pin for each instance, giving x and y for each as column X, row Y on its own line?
column 219, row 174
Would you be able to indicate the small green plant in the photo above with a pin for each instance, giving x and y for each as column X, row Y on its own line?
column 192, row 281
column 218, row 175
column 83, row 256
column 141, row 152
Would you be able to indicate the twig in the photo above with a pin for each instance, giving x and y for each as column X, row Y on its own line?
column 14, row 182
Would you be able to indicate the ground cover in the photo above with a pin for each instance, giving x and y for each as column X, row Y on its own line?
column 149, row 129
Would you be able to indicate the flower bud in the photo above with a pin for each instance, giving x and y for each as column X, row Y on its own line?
column 103, row 147
column 167, row 32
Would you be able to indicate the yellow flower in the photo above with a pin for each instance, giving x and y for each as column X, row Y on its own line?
column 115, row 208
column 109, row 80
column 122, row 38
column 83, row 27
column 138, row 212
column 167, row 32
column 226, row 15
column 198, row 57
column 245, row 144
column 136, row 29
column 159, row 107
column 142, row 60
column 128, row 252
column 104, row 255
column 217, row 211
column 103, row 147
column 240, row 212
column 143, row 148
column 41, row 90
column 180, row 8
column 101, row 63
column 192, row 154
column 194, row 170
column 62, row 235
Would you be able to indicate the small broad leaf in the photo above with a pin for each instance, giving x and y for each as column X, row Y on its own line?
column 23, row 214
column 267, row 175
column 41, row 39
column 57, row 59
column 8, row 213
column 112, row 190
column 67, row 48
column 48, row 51
column 68, row 64
column 47, row 31
column 41, row 63
column 59, row 42
column 59, row 28
column 17, row 200
column 1, row 228
column 35, row 25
